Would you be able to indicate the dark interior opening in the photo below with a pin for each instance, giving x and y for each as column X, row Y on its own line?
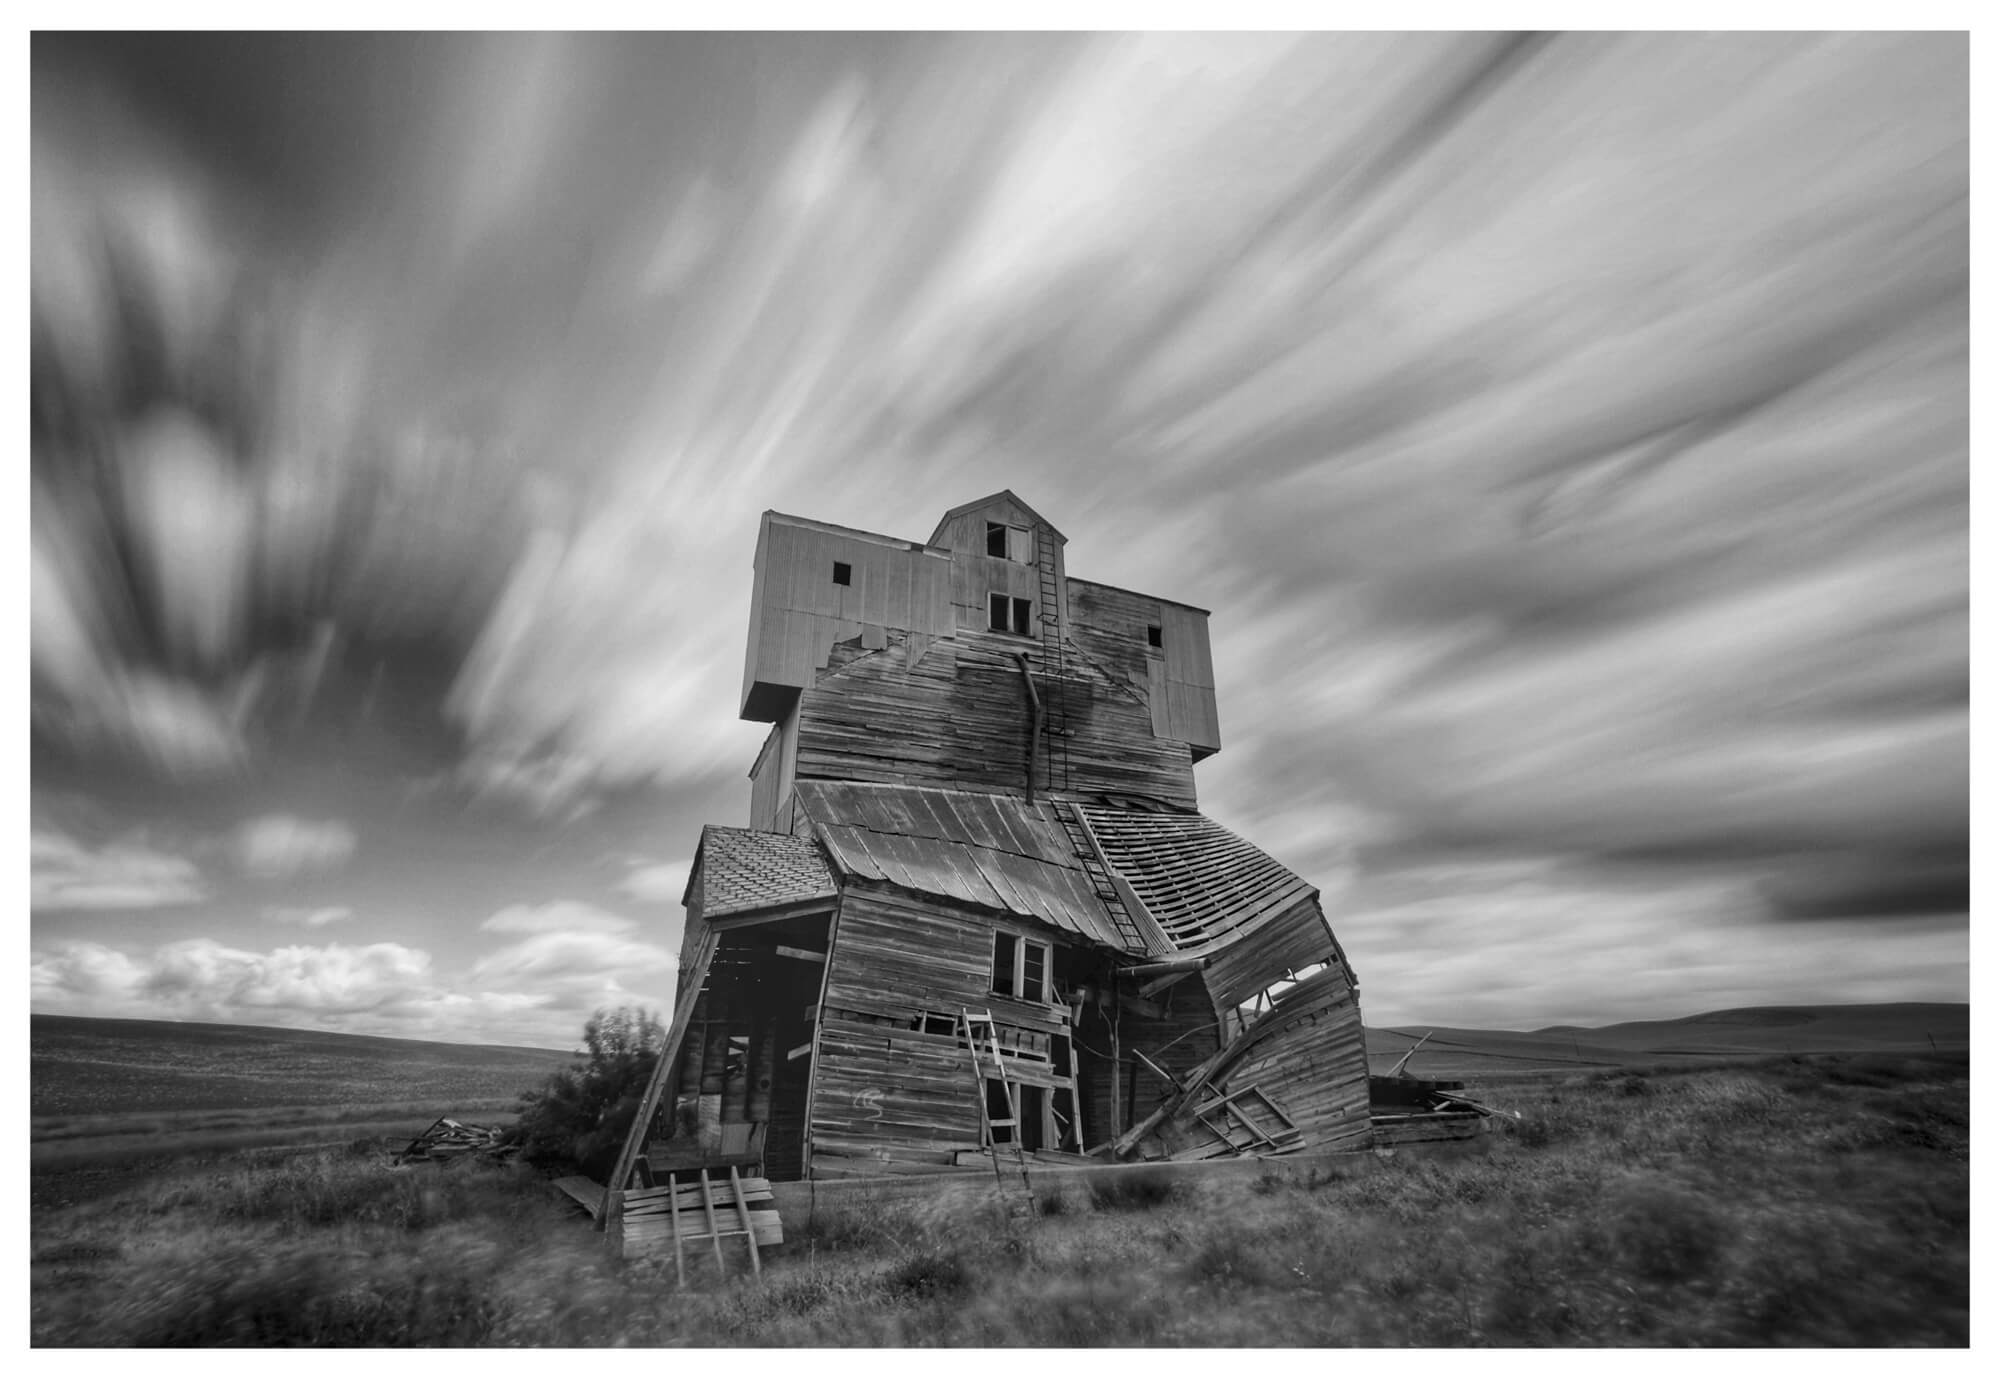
column 843, row 573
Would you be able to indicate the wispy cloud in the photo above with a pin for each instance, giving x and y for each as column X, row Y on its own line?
column 275, row 846
column 307, row 917
column 127, row 874
column 658, row 883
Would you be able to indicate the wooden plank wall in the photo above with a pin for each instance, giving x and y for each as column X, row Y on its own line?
column 1315, row 1068
column 888, row 1098
column 771, row 779
column 960, row 717
column 797, row 612
column 1176, row 680
column 975, row 574
column 764, row 780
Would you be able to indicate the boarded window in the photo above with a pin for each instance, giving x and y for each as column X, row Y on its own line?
column 843, row 573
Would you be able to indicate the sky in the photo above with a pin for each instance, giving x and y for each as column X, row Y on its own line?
column 1569, row 435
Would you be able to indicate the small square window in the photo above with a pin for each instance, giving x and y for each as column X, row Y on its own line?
column 843, row 573
column 1153, row 637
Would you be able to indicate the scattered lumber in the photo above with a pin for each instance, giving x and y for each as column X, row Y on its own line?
column 454, row 1139
column 587, row 1193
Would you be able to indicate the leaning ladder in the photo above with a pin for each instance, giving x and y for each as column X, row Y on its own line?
column 968, row 1021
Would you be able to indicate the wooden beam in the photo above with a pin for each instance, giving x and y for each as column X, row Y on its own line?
column 1175, row 965
column 635, row 1138
column 724, row 923
column 803, row 954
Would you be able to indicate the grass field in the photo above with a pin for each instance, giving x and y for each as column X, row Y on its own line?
column 111, row 1100
column 1795, row 1202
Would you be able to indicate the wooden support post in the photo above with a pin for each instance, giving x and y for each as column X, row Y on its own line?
column 635, row 1138
column 708, row 1213
column 674, row 1219
column 743, row 1218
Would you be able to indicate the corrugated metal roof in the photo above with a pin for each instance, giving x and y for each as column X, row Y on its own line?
column 745, row 869
column 995, row 851
column 1199, row 882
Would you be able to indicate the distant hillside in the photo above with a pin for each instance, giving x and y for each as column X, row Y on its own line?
column 79, row 1066
column 1749, row 1032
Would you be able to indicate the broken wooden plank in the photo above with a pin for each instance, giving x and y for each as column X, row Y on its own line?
column 587, row 1193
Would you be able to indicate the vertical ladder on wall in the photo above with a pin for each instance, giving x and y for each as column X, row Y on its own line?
column 1094, row 869
column 1055, row 694
column 970, row 1025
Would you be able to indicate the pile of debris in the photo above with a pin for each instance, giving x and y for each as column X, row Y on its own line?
column 453, row 1139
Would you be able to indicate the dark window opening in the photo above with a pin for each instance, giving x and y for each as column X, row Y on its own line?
column 1005, row 614
column 1004, row 957
column 931, row 1022
column 843, row 573
column 1009, row 543
column 999, row 1111
column 1153, row 637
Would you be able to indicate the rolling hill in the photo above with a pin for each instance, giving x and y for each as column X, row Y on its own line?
column 1749, row 1032
column 95, row 1067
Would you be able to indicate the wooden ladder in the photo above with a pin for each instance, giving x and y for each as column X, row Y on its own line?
column 968, row 1023
column 707, row 1189
column 1055, row 669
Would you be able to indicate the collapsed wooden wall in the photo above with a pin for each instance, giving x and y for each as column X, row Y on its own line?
column 1177, row 1038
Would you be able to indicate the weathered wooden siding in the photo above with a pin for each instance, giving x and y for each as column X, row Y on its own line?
column 772, row 777
column 764, row 781
column 975, row 574
column 797, row 612
column 887, row 1096
column 960, row 716
column 1176, row 679
column 1190, row 679
column 1251, row 961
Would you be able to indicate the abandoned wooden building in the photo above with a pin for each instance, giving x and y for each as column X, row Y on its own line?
column 975, row 906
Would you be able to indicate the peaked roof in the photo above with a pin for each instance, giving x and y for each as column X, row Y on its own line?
column 1006, row 493
column 995, row 851
column 743, row 869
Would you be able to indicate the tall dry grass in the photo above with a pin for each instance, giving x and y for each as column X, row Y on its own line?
column 1793, row 1203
